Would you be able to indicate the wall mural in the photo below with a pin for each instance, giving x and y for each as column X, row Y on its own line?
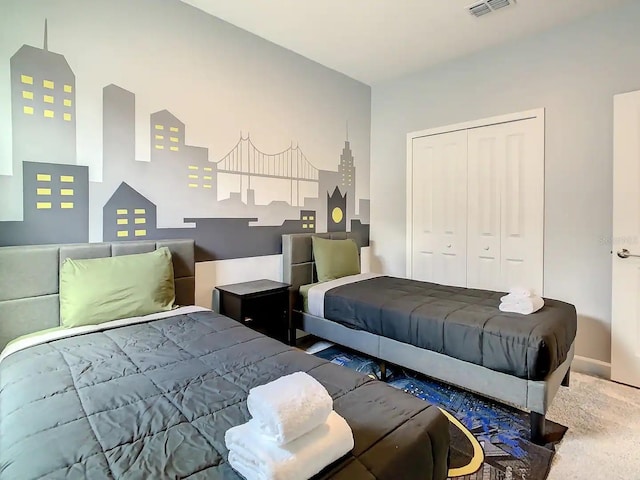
column 58, row 197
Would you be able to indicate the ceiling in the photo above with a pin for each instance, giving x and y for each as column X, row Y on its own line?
column 377, row 40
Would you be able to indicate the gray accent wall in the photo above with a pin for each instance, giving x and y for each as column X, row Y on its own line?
column 148, row 119
column 573, row 72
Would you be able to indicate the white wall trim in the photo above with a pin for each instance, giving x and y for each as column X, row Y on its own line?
column 591, row 366
column 537, row 113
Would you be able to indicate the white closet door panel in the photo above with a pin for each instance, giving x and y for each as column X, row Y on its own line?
column 484, row 172
column 522, row 226
column 439, row 170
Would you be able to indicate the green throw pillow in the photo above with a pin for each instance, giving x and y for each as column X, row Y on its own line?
column 335, row 258
column 98, row 290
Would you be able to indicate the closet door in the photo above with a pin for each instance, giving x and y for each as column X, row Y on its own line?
column 483, row 250
column 439, row 204
column 506, row 206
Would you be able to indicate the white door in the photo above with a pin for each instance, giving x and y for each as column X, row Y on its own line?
column 506, row 206
column 439, row 203
column 625, row 315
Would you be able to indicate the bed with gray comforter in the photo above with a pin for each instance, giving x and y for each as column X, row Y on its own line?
column 153, row 400
column 462, row 323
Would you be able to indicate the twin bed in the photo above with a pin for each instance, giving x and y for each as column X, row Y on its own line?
column 151, row 396
column 453, row 334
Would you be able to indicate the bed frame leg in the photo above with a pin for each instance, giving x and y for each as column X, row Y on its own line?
column 565, row 380
column 537, row 421
column 383, row 371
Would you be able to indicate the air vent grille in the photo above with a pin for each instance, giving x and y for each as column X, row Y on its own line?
column 479, row 10
column 488, row 6
column 497, row 4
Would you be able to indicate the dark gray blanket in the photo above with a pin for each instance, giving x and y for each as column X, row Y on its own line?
column 459, row 322
column 153, row 400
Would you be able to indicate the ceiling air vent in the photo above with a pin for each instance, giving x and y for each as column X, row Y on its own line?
column 479, row 9
column 497, row 4
column 488, row 6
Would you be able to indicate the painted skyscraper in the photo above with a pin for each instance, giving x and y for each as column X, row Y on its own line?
column 42, row 106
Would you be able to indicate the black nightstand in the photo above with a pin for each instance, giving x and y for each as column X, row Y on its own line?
column 262, row 305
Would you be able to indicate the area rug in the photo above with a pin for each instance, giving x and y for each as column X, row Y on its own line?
column 502, row 432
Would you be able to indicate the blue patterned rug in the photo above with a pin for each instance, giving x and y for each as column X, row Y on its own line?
column 501, row 431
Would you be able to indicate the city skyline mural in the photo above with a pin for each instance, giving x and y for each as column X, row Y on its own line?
column 236, row 205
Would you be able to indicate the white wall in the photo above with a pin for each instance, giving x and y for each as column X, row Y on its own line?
column 224, row 272
column 571, row 71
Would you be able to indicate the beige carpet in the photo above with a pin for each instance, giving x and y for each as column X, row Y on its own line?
column 603, row 441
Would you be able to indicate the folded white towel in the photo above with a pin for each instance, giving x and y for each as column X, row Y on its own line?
column 524, row 305
column 289, row 407
column 257, row 458
column 512, row 298
column 521, row 291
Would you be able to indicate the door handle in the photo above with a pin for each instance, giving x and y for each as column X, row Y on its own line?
column 624, row 253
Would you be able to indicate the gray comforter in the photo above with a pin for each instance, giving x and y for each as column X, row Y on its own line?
column 459, row 322
column 153, row 400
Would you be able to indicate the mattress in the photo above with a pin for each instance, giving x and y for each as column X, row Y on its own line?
column 153, row 399
column 459, row 322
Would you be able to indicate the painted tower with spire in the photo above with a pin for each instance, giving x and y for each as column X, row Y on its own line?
column 43, row 106
column 347, row 176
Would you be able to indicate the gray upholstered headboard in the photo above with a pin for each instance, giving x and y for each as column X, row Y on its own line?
column 29, row 279
column 298, row 265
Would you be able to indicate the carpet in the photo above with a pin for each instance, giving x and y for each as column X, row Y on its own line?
column 502, row 432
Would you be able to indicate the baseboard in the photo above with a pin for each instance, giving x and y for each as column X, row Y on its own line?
column 591, row 366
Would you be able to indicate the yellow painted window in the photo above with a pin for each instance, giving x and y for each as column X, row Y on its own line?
column 174, row 129
column 123, row 221
column 43, row 177
column 49, row 113
column 159, row 137
column 66, row 102
column 193, row 167
column 304, row 225
column 67, row 117
column 122, row 211
column 68, row 89
column 28, row 95
column 193, row 176
column 207, row 169
column 173, row 149
column 48, row 84
column 43, row 205
column 43, row 191
column 27, row 110
column 66, row 205
column 305, row 217
column 140, row 211
column 48, row 98
column 311, row 225
column 159, row 127
column 66, row 178
column 159, row 147
column 193, row 185
column 140, row 221
column 141, row 233
column 67, row 192
column 123, row 233
column 206, row 185
column 26, row 79
column 311, row 217
column 174, row 139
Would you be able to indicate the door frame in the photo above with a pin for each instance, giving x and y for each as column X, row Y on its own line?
column 537, row 114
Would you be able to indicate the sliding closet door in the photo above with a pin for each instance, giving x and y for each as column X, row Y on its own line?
column 439, row 204
column 506, row 206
